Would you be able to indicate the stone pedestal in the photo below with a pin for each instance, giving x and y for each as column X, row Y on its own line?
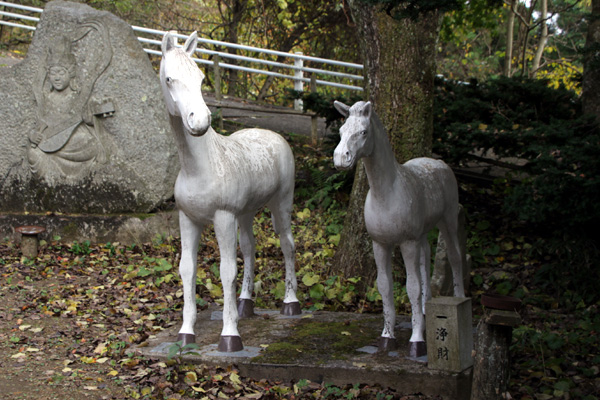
column 449, row 333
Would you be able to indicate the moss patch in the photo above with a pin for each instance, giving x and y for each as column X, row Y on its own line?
column 317, row 342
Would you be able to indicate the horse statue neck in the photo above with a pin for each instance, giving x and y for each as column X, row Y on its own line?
column 193, row 152
column 381, row 165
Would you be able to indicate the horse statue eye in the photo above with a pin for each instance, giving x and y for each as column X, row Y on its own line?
column 363, row 133
column 168, row 79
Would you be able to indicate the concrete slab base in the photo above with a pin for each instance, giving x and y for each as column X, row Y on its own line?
column 325, row 347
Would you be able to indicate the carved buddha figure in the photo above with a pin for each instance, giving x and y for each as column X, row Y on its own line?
column 64, row 143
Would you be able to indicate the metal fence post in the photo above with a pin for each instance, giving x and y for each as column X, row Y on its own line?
column 298, row 75
column 217, row 78
column 313, row 118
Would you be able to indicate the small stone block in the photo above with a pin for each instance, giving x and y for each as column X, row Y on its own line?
column 230, row 344
column 290, row 309
column 186, row 338
column 245, row 308
column 502, row 317
column 449, row 329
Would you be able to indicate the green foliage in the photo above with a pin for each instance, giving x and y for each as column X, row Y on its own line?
column 400, row 9
column 322, row 103
column 81, row 248
column 177, row 350
column 470, row 44
column 571, row 273
column 553, row 359
column 541, row 127
column 318, row 184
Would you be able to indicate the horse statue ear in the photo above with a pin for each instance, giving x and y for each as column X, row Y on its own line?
column 367, row 109
column 168, row 41
column 342, row 108
column 191, row 43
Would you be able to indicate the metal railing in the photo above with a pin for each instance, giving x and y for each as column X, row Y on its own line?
column 298, row 70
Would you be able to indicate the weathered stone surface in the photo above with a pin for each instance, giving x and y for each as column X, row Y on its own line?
column 322, row 346
column 449, row 333
column 126, row 229
column 84, row 126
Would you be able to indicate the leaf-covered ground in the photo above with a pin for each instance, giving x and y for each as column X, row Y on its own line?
column 69, row 318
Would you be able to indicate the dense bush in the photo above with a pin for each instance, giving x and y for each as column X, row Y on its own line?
column 544, row 129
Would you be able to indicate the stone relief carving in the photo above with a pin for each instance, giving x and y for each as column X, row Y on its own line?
column 69, row 137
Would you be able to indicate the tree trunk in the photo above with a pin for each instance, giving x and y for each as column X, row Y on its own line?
column 354, row 257
column 590, row 95
column 510, row 30
column 543, row 39
column 492, row 362
column 232, row 14
column 399, row 58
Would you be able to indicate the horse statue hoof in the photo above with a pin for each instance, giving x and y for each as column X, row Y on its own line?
column 230, row 344
column 245, row 308
column 417, row 349
column 186, row 338
column 289, row 309
column 386, row 344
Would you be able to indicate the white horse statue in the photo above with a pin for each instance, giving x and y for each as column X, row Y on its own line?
column 403, row 204
column 224, row 180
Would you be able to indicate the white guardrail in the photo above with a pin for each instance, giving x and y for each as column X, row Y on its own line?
column 298, row 69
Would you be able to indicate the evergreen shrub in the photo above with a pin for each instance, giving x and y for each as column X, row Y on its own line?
column 524, row 120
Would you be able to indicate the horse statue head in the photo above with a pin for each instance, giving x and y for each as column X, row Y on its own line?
column 181, row 82
column 356, row 137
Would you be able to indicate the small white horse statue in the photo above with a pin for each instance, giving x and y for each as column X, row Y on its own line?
column 224, row 180
column 403, row 204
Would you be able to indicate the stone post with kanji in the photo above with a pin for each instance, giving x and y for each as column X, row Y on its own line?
column 449, row 333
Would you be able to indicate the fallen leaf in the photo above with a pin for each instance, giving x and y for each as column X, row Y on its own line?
column 235, row 378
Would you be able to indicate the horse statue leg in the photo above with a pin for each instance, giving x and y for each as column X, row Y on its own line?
column 385, row 286
column 411, row 253
column 425, row 265
column 190, row 236
column 281, row 214
column 226, row 232
column 449, row 231
column 247, row 245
